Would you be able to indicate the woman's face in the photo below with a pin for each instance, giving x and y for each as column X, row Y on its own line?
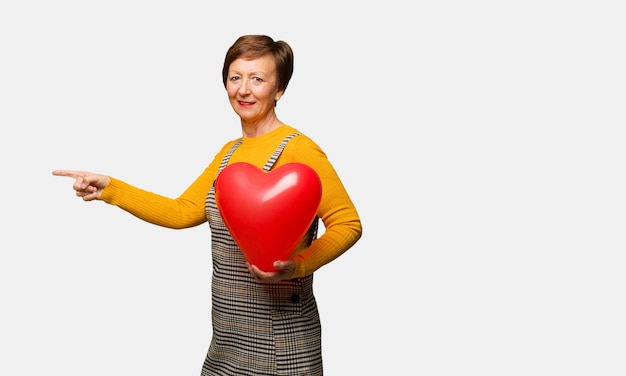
column 251, row 87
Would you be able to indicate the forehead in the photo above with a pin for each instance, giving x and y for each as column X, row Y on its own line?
column 264, row 65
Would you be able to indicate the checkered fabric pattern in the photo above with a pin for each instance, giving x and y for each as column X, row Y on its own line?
column 258, row 328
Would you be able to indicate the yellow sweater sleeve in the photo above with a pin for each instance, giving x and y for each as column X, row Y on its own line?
column 188, row 210
column 336, row 211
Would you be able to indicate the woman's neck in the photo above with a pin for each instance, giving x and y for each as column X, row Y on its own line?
column 252, row 130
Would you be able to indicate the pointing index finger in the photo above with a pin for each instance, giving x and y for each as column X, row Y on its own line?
column 68, row 173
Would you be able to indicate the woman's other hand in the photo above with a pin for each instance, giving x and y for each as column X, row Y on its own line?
column 285, row 270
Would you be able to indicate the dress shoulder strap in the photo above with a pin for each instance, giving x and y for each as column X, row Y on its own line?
column 270, row 162
column 227, row 156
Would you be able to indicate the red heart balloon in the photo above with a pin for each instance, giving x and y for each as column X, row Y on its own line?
column 267, row 213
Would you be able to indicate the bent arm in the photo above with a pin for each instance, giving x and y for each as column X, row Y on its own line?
column 337, row 211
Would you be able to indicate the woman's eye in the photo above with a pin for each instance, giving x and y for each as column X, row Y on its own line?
column 234, row 78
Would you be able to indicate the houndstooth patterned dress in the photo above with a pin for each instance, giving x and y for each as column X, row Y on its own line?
column 258, row 328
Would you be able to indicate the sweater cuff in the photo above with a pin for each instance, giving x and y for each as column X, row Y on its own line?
column 114, row 186
column 300, row 267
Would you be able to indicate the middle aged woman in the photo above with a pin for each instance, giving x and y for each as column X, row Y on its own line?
column 264, row 323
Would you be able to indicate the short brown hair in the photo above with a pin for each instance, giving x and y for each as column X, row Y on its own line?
column 254, row 46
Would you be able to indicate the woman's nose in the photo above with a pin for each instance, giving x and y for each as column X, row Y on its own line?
column 243, row 88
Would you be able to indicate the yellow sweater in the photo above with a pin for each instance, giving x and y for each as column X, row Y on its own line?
column 337, row 212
